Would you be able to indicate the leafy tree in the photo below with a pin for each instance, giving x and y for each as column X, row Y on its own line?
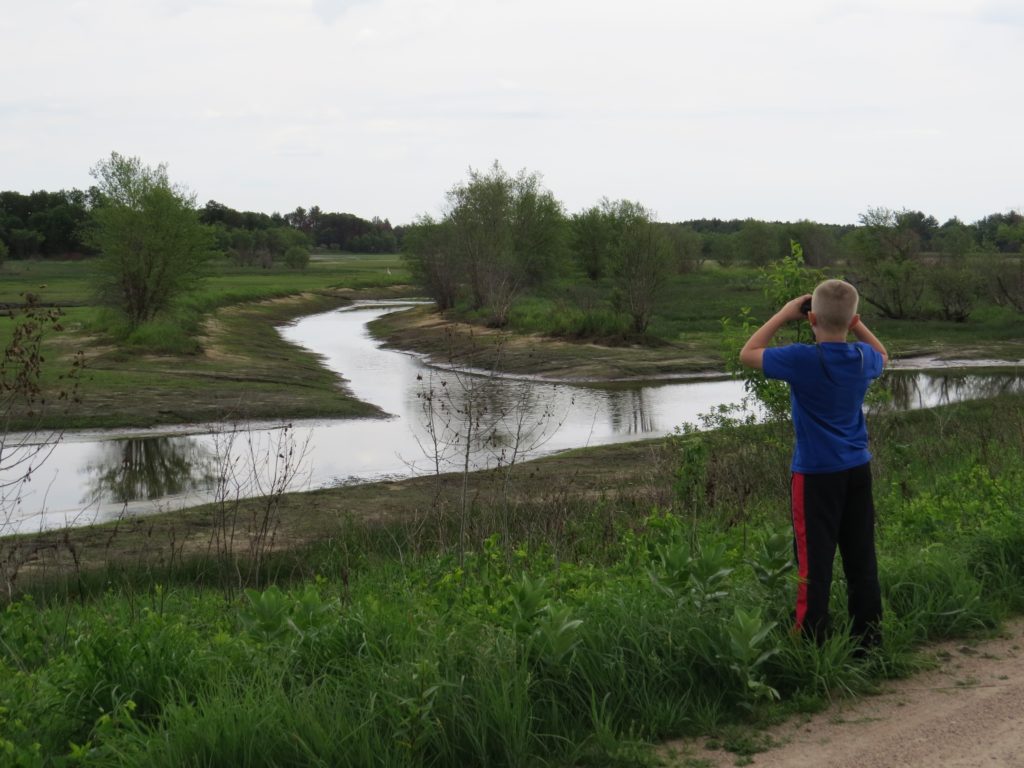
column 26, row 242
column 687, row 247
column 221, row 238
column 3, row 252
column 591, row 241
column 1002, row 232
column 889, row 271
column 42, row 223
column 243, row 251
column 218, row 213
column 760, row 243
column 298, row 219
column 720, row 248
column 152, row 244
column 280, row 239
column 642, row 260
column 374, row 241
column 428, row 250
column 297, row 257
column 1007, row 279
column 954, row 239
column 507, row 233
column 820, row 244
column 955, row 286
column 922, row 225
column 1010, row 235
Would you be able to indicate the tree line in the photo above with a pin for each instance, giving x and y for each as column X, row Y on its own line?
column 504, row 235
column 53, row 224
column 44, row 224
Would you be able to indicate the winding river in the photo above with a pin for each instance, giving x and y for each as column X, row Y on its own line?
column 439, row 420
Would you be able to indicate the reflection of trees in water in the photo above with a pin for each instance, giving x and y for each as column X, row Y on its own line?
column 501, row 420
column 148, row 468
column 520, row 415
column 630, row 412
column 923, row 390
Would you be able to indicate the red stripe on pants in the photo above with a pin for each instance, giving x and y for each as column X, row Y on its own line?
column 800, row 532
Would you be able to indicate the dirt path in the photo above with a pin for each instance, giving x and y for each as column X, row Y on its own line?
column 966, row 713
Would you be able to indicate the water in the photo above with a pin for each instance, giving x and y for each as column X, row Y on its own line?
column 98, row 476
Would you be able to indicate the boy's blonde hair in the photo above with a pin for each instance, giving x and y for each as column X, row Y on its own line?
column 834, row 303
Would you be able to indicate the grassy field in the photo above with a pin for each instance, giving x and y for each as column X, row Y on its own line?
column 604, row 601
column 575, row 610
column 213, row 356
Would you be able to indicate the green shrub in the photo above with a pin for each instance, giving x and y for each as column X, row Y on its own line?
column 297, row 257
column 163, row 336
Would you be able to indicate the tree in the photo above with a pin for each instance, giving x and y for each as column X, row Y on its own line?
column 820, row 248
column 956, row 287
column 42, row 223
column 889, row 272
column 3, row 252
column 1007, row 278
column 760, row 243
column 1010, row 235
column 922, row 225
column 642, row 259
column 954, row 239
column 591, row 241
column 1003, row 232
column 507, row 233
column 297, row 257
column 152, row 244
column 427, row 249
column 280, row 239
column 720, row 248
column 955, row 283
column 687, row 247
column 242, row 249
column 26, row 242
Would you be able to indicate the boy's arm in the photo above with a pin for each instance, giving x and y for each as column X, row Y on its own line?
column 861, row 332
column 752, row 354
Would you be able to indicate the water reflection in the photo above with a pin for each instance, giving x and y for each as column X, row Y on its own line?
column 147, row 468
column 630, row 411
column 461, row 419
column 927, row 390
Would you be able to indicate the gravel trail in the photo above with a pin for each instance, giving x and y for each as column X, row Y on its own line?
column 968, row 712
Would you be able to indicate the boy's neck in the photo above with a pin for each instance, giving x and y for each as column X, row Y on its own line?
column 821, row 336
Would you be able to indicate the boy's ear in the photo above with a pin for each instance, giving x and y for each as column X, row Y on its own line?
column 812, row 318
column 853, row 321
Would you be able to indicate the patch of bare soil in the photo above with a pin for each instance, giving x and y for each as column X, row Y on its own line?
column 967, row 712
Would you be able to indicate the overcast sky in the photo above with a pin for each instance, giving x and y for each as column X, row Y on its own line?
column 718, row 108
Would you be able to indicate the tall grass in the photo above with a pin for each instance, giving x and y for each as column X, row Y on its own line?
column 384, row 647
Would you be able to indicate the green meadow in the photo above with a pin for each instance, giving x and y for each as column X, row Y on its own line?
column 576, row 610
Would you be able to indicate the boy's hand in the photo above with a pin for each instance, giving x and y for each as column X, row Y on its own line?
column 752, row 354
column 792, row 309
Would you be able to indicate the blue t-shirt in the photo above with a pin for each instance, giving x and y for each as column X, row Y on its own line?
column 827, row 383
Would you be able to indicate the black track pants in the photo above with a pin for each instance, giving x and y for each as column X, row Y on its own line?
column 829, row 510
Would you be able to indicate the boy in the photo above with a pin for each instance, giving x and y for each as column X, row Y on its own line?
column 831, row 474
